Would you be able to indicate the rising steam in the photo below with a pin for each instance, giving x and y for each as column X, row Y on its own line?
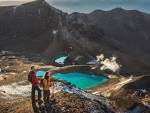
column 108, row 63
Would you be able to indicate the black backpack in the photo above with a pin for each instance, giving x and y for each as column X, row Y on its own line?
column 41, row 82
column 29, row 78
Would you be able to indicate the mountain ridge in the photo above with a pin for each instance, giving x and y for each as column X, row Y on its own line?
column 40, row 28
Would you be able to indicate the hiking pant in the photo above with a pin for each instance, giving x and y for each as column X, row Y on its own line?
column 33, row 92
column 46, row 96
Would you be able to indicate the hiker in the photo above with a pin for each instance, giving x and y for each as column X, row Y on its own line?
column 46, row 86
column 35, row 86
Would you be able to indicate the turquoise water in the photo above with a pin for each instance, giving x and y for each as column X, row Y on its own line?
column 81, row 80
column 57, row 56
column 40, row 73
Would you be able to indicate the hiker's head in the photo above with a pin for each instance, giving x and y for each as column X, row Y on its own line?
column 47, row 75
column 32, row 68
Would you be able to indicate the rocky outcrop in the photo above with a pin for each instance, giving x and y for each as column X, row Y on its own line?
column 141, row 95
column 138, row 108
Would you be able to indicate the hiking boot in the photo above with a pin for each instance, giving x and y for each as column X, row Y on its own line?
column 42, row 108
column 49, row 102
column 39, row 100
column 47, row 106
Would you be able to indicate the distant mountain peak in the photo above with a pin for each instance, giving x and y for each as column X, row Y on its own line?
column 118, row 8
column 40, row 0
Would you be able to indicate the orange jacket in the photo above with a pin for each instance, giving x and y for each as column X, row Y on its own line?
column 46, row 84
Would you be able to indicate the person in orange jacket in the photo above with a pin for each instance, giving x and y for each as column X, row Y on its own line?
column 46, row 90
column 34, row 83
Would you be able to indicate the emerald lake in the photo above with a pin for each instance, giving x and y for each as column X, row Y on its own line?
column 81, row 80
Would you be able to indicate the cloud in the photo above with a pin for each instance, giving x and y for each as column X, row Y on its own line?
column 15, row 0
column 87, row 6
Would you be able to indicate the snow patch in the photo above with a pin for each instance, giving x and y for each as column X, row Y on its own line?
column 143, row 90
column 58, row 87
column 55, row 32
column 5, row 52
column 92, row 62
column 15, row 89
column 15, row 7
column 77, row 58
column 94, row 93
column 61, row 60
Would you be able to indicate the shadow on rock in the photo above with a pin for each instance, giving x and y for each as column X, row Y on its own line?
column 35, row 108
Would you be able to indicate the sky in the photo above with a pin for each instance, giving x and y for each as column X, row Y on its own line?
column 87, row 6
column 13, row 2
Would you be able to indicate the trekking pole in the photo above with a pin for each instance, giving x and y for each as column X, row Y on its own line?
column 53, row 93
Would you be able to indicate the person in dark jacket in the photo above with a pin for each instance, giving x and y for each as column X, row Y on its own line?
column 35, row 86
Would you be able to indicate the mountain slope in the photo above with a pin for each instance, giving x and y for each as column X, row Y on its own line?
column 131, row 28
column 40, row 28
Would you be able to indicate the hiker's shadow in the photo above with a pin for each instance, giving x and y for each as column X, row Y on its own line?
column 35, row 108
column 41, row 108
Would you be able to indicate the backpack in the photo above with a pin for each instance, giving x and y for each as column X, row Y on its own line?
column 41, row 82
column 29, row 78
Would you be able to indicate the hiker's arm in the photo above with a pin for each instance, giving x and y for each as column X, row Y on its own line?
column 50, row 83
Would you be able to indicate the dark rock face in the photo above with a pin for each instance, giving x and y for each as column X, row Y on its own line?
column 40, row 28
column 22, row 25
column 131, row 28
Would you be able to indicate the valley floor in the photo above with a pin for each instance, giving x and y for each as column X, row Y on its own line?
column 117, row 95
